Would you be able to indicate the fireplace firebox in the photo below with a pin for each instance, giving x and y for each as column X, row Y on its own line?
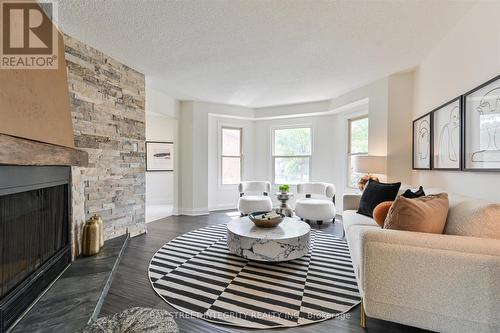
column 34, row 235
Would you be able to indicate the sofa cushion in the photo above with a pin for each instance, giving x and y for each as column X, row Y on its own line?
column 354, row 224
column 376, row 193
column 414, row 194
column 474, row 218
column 380, row 212
column 351, row 217
column 424, row 214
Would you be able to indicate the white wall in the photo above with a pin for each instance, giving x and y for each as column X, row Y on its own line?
column 160, row 102
column 184, row 202
column 160, row 185
column 328, row 143
column 328, row 120
column 466, row 57
column 377, row 95
column 226, row 196
column 399, row 127
column 329, row 162
column 161, row 125
column 388, row 103
column 194, row 186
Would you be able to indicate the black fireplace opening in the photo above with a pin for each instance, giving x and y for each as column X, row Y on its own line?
column 34, row 235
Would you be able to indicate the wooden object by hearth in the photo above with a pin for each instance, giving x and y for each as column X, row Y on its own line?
column 18, row 151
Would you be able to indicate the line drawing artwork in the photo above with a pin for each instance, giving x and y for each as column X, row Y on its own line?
column 448, row 134
column 423, row 140
column 489, row 122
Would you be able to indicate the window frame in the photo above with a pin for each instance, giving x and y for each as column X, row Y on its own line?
column 273, row 156
column 222, row 156
column 349, row 146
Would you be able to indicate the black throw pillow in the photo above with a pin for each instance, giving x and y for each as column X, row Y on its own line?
column 376, row 193
column 412, row 195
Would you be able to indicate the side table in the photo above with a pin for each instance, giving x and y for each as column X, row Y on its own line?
column 284, row 208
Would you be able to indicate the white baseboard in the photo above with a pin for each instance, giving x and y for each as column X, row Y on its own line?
column 190, row 211
column 222, row 207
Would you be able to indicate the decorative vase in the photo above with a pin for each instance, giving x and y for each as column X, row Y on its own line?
column 100, row 222
column 91, row 238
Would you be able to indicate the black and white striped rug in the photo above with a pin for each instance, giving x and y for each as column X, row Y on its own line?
column 196, row 274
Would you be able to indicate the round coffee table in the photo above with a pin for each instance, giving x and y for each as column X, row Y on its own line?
column 287, row 241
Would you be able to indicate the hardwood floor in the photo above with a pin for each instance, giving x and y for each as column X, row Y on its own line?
column 131, row 285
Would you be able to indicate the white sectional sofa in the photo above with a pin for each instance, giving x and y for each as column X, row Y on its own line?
column 444, row 283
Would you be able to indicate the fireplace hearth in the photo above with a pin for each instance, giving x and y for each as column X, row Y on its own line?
column 35, row 241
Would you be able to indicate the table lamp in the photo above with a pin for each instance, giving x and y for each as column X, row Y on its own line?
column 370, row 165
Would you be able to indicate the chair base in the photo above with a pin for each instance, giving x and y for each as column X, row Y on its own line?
column 318, row 222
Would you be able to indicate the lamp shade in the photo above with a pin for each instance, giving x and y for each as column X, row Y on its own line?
column 369, row 164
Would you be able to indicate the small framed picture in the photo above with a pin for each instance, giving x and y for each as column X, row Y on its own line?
column 482, row 127
column 422, row 138
column 447, row 136
column 159, row 156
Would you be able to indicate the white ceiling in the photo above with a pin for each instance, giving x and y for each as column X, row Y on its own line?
column 262, row 52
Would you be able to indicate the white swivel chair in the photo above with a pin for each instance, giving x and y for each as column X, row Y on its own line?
column 318, row 204
column 254, row 197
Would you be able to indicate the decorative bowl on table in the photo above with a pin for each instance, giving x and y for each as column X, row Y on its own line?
column 266, row 219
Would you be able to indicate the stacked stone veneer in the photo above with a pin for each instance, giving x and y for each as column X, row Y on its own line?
column 107, row 106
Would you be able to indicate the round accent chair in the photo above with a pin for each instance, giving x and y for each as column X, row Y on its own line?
column 254, row 197
column 318, row 204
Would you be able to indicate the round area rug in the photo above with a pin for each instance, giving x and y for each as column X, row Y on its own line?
column 196, row 274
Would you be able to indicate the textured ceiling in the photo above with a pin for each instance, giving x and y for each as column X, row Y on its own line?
column 261, row 52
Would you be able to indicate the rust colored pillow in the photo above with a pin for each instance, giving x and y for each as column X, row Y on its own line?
column 424, row 214
column 380, row 212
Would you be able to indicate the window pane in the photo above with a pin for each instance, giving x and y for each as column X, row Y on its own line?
column 291, row 170
column 359, row 136
column 352, row 177
column 231, row 142
column 231, row 170
column 292, row 141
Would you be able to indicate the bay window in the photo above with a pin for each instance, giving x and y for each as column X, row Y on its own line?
column 231, row 141
column 357, row 145
column 291, row 150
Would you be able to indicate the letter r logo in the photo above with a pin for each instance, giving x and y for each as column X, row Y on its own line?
column 26, row 28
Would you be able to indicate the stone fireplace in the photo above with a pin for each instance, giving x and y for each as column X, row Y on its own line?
column 85, row 122
column 36, row 228
column 34, row 234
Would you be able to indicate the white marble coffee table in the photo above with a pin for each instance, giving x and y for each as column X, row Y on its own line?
column 287, row 241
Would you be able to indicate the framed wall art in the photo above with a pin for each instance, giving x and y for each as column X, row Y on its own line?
column 159, row 156
column 422, row 138
column 447, row 136
column 482, row 127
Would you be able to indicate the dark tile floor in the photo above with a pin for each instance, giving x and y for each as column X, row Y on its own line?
column 77, row 295
column 131, row 286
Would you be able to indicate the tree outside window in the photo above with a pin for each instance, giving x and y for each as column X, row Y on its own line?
column 292, row 155
column 358, row 145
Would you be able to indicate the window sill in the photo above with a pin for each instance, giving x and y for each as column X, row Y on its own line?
column 228, row 187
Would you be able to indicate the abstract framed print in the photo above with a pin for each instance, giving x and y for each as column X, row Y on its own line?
column 159, row 156
column 482, row 127
column 422, row 138
column 447, row 136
